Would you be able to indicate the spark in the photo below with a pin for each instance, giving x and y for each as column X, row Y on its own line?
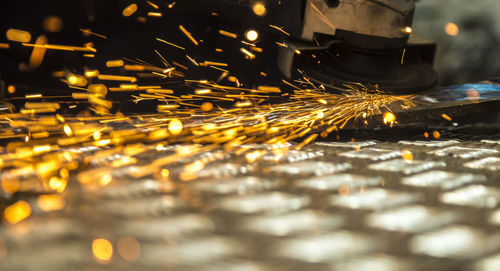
column 188, row 35
column 407, row 30
column 228, row 34
column 155, row 14
column 279, row 29
column 180, row 65
column 243, row 104
column 61, row 47
column 192, row 60
column 91, row 73
column 153, row 5
column 165, row 173
column 282, row 44
column 114, row 63
column 212, row 63
column 171, row 44
column 207, row 106
column 53, row 24
column 67, row 130
column 77, row 80
column 253, row 156
column 96, row 135
column 256, row 49
column 452, row 29
column 11, row 89
column 389, row 118
column 33, row 96
column 269, row 89
column 175, row 126
column 38, row 54
column 406, row 155
column 89, row 32
column 247, row 53
column 203, row 91
column 221, row 116
column 446, row 117
column 105, row 77
column 17, row 35
column 252, row 35
column 129, row 10
column 259, row 9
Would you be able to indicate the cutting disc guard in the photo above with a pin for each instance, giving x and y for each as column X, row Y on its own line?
column 335, row 70
column 389, row 71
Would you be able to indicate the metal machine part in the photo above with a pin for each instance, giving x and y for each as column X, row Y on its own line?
column 381, row 18
column 361, row 41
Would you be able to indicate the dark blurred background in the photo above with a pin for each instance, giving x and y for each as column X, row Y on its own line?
column 126, row 36
column 131, row 37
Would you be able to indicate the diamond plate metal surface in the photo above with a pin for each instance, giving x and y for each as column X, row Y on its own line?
column 329, row 206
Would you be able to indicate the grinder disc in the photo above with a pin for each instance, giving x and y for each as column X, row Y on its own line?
column 334, row 68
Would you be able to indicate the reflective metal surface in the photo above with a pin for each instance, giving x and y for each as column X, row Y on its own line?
column 365, row 205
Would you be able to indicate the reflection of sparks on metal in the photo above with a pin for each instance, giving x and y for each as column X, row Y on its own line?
column 436, row 135
column 102, row 250
column 129, row 249
column 389, row 118
column 17, row 212
column 407, row 155
column 50, row 202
